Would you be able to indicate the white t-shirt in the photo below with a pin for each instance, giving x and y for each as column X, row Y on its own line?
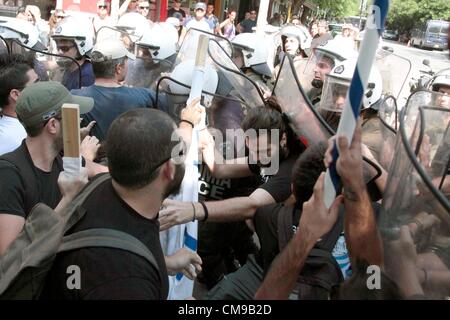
column 11, row 134
column 201, row 25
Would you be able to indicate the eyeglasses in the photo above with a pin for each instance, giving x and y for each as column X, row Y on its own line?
column 144, row 8
column 103, row 7
column 65, row 48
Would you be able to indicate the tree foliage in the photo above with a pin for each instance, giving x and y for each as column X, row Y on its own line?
column 405, row 15
column 336, row 9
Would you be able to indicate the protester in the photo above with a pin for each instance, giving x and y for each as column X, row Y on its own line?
column 362, row 236
column 227, row 28
column 261, row 160
column 211, row 18
column 16, row 73
column 129, row 202
column 247, row 25
column 103, row 18
column 176, row 11
column 111, row 98
column 144, row 8
column 199, row 20
column 30, row 173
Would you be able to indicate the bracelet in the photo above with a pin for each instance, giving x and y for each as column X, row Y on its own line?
column 187, row 121
column 205, row 209
column 193, row 207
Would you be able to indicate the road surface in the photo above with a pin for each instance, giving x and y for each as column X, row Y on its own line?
column 438, row 60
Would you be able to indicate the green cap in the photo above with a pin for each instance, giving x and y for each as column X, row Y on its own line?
column 43, row 100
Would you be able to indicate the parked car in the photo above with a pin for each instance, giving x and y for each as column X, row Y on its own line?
column 390, row 35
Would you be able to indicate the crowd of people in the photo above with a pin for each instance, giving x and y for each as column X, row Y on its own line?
column 264, row 231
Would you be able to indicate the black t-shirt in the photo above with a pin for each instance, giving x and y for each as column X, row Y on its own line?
column 111, row 273
column 247, row 25
column 279, row 184
column 176, row 13
column 13, row 188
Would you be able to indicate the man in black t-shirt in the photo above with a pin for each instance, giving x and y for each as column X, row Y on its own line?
column 29, row 174
column 143, row 173
column 269, row 159
column 176, row 11
column 246, row 26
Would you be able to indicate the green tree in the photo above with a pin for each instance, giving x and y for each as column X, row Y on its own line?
column 404, row 15
column 338, row 8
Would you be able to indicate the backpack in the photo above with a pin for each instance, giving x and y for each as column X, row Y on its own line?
column 24, row 266
column 321, row 274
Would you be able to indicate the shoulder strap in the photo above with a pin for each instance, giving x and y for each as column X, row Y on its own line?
column 75, row 212
column 108, row 238
column 285, row 231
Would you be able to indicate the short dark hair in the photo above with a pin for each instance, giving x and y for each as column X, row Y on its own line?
column 268, row 117
column 137, row 141
column 105, row 68
column 13, row 74
column 307, row 170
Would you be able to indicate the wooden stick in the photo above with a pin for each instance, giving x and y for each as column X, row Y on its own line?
column 71, row 130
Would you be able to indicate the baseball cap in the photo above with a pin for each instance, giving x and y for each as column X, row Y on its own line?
column 43, row 100
column 111, row 49
column 200, row 5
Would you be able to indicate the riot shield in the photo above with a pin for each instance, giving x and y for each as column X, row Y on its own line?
column 233, row 88
column 294, row 102
column 306, row 121
column 415, row 216
column 388, row 115
column 51, row 66
column 395, row 71
column 4, row 47
column 188, row 48
column 144, row 72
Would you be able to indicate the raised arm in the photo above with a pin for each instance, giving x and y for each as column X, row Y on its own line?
column 361, row 233
column 316, row 221
column 217, row 165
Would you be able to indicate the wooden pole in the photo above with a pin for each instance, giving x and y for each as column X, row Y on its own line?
column 71, row 130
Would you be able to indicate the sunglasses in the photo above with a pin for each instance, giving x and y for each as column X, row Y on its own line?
column 103, row 7
column 65, row 48
column 144, row 8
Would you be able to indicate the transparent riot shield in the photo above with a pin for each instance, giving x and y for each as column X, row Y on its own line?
column 232, row 82
column 306, row 121
column 49, row 66
column 395, row 71
column 388, row 115
column 4, row 47
column 294, row 102
column 415, row 216
column 188, row 48
column 145, row 71
column 233, row 88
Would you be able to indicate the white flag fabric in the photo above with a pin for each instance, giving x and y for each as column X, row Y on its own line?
column 184, row 235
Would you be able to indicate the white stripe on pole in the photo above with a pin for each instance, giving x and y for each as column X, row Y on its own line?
column 350, row 114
